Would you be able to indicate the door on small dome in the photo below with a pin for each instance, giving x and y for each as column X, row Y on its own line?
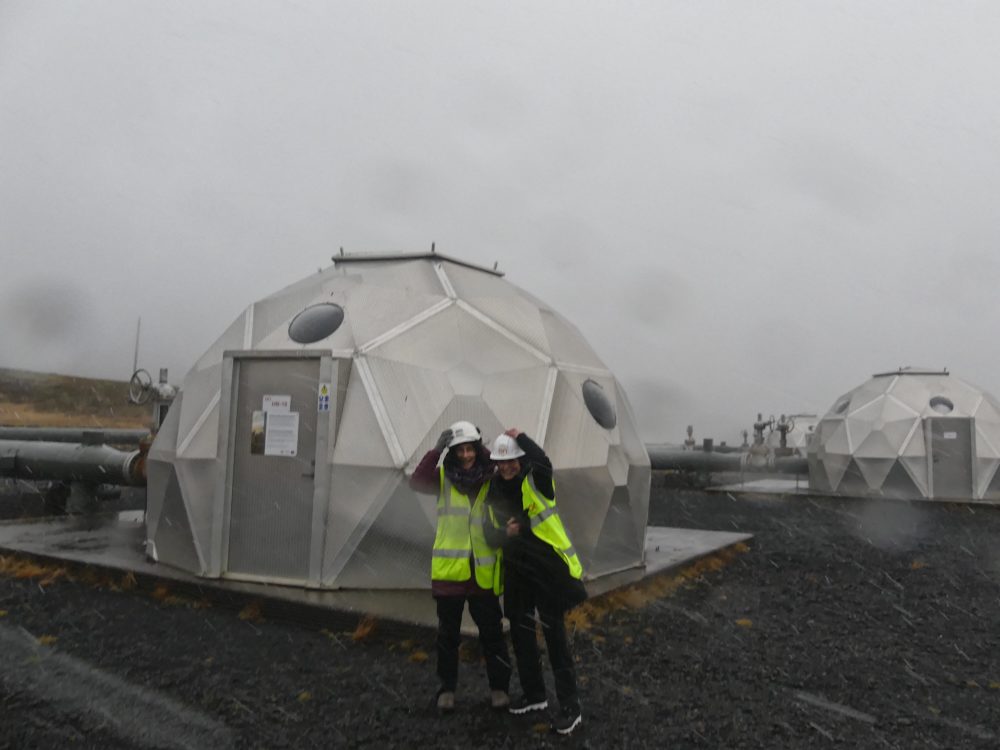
column 950, row 456
column 272, row 469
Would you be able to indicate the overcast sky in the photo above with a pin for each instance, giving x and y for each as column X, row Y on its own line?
column 743, row 206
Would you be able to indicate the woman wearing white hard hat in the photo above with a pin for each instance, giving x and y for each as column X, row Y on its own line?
column 464, row 567
column 541, row 570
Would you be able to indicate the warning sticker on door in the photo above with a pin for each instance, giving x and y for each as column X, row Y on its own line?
column 950, row 435
column 323, row 404
column 281, row 434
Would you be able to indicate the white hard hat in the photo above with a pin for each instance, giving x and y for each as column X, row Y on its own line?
column 505, row 448
column 464, row 432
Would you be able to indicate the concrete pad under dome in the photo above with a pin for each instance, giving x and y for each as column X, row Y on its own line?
column 114, row 544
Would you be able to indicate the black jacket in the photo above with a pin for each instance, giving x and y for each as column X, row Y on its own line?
column 528, row 560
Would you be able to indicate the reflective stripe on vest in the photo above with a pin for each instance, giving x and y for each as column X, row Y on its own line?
column 547, row 525
column 457, row 554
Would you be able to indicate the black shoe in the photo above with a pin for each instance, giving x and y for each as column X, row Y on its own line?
column 567, row 722
column 523, row 705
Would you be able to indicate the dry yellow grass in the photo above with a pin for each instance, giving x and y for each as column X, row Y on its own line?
column 638, row 595
column 365, row 628
column 418, row 656
column 26, row 415
column 32, row 399
column 251, row 612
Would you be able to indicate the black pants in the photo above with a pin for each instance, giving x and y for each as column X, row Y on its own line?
column 521, row 599
column 485, row 611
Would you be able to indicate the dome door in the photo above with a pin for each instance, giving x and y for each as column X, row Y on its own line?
column 950, row 456
column 272, row 470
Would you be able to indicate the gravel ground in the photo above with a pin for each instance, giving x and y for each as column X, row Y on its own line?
column 849, row 623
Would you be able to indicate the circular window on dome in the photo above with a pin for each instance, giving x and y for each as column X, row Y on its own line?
column 842, row 406
column 599, row 405
column 942, row 405
column 316, row 323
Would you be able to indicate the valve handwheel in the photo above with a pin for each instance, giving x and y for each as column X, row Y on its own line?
column 140, row 386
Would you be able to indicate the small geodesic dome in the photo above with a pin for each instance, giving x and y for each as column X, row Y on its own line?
column 286, row 455
column 912, row 433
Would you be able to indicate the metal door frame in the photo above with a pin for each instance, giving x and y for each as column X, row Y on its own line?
column 325, row 427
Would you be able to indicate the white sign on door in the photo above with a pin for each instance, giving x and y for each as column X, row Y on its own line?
column 281, row 435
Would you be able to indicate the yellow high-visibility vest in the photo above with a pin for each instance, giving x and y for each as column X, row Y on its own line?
column 460, row 538
column 546, row 524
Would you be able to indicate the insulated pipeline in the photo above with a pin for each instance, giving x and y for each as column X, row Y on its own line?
column 90, row 436
column 663, row 458
column 69, row 462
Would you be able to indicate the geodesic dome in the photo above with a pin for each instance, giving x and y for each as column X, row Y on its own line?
column 912, row 433
column 286, row 455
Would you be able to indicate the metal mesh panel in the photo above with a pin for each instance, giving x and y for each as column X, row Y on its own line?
column 197, row 483
column 639, row 478
column 874, row 470
column 359, row 439
column 375, row 310
column 617, row 545
column 583, row 497
column 899, row 484
column 992, row 491
column 271, row 506
column 628, row 434
column 516, row 398
column 203, row 441
column 278, row 339
column 173, row 532
column 414, row 398
column 233, row 338
column 200, row 388
column 467, row 409
column 876, row 446
column 853, row 481
column 412, row 276
column 913, row 391
column 164, row 447
column 986, row 468
column 617, row 465
column 567, row 344
column 357, row 496
column 158, row 475
column 159, row 466
column 573, row 438
column 834, row 466
column 500, row 301
column 453, row 337
column 274, row 313
column 916, row 468
column 395, row 551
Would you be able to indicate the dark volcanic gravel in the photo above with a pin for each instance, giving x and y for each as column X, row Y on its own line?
column 848, row 623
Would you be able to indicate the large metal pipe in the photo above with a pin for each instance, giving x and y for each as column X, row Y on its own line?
column 667, row 458
column 87, row 435
column 68, row 462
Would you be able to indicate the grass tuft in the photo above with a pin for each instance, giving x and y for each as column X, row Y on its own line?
column 642, row 593
column 365, row 629
column 251, row 612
